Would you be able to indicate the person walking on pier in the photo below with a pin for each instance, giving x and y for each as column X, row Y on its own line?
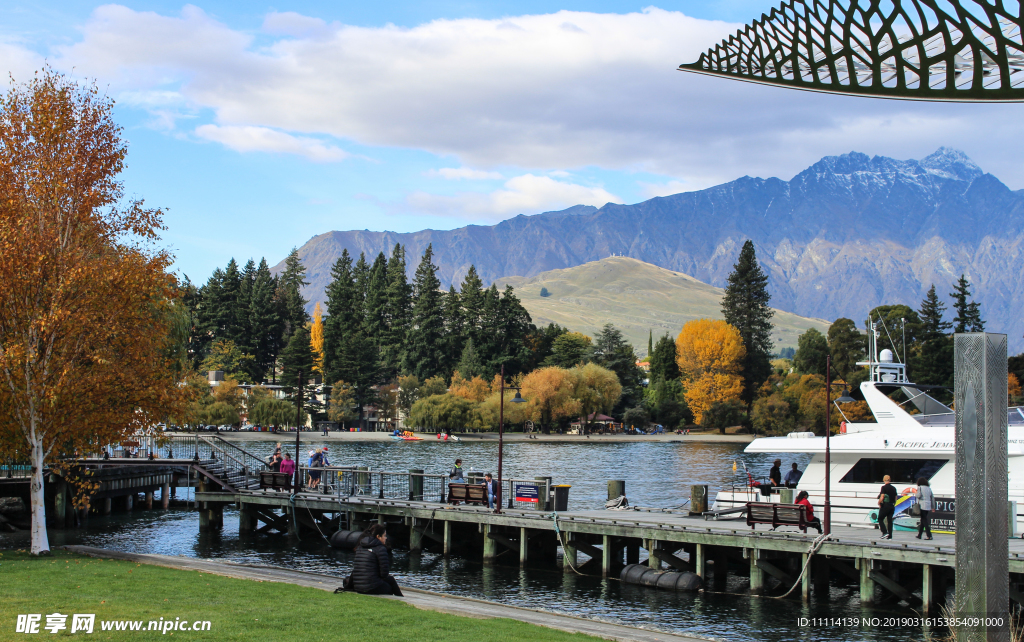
column 925, row 503
column 793, row 477
column 371, row 570
column 775, row 474
column 801, row 498
column 288, row 466
column 886, row 507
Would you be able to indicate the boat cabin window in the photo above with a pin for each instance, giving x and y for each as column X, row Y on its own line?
column 871, row 471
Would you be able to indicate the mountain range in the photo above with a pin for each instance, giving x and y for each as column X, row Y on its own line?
column 846, row 234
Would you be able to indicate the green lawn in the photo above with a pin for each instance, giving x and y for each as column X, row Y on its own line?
column 237, row 609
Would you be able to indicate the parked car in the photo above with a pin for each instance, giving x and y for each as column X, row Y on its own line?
column 246, row 427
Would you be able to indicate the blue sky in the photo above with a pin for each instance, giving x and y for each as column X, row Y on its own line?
column 260, row 126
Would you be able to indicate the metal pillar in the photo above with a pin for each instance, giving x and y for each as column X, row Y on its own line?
column 982, row 567
column 524, row 546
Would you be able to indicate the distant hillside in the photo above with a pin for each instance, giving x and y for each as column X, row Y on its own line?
column 847, row 234
column 635, row 297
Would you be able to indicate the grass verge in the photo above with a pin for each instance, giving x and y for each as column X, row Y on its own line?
column 237, row 609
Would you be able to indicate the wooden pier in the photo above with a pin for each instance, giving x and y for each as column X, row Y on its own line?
column 916, row 571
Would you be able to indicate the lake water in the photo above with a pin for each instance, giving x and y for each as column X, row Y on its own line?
column 656, row 474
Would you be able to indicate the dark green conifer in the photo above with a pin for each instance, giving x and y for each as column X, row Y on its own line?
column 933, row 362
column 745, row 306
column 612, row 351
column 424, row 355
column 264, row 322
column 469, row 365
column 663, row 360
column 968, row 314
column 397, row 314
column 297, row 358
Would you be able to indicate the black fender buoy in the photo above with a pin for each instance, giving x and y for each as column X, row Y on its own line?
column 666, row 580
column 345, row 539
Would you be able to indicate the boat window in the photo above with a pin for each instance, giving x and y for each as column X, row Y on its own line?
column 871, row 471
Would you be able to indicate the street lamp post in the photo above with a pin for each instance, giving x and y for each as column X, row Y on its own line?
column 501, row 433
column 845, row 398
column 298, row 434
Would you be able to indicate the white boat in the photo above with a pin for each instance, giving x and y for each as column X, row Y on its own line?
column 900, row 444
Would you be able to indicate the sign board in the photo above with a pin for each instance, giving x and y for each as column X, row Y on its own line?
column 527, row 493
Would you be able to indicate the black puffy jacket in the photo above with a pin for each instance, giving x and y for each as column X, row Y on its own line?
column 371, row 565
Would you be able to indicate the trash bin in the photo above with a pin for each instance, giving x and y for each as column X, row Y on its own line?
column 785, row 495
column 561, row 493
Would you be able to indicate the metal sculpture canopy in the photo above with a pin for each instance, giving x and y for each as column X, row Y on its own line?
column 941, row 50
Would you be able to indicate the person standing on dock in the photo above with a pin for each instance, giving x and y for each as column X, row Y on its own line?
column 886, row 507
column 775, row 474
column 925, row 503
column 793, row 476
column 371, row 570
column 288, row 467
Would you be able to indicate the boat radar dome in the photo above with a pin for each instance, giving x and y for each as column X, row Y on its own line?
column 885, row 356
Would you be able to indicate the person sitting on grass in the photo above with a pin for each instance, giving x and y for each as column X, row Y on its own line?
column 813, row 521
column 372, row 566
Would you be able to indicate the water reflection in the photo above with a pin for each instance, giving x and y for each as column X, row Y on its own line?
column 656, row 474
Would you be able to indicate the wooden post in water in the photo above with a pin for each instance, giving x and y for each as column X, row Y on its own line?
column 820, row 566
column 632, row 552
column 569, row 559
column 606, row 551
column 149, row 500
column 106, row 505
column 415, row 537
column 165, row 495
column 721, row 579
column 927, row 588
column 805, row 581
column 490, row 545
column 700, row 563
column 447, row 538
column 247, row 521
column 756, row 573
column 867, row 585
column 129, row 501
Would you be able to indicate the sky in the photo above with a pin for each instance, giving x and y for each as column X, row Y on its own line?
column 257, row 127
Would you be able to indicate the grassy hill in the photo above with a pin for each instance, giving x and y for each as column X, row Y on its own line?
column 635, row 297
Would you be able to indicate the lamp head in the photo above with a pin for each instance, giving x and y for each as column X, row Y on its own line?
column 845, row 398
column 518, row 398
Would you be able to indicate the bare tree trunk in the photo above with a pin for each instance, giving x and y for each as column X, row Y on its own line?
column 40, row 541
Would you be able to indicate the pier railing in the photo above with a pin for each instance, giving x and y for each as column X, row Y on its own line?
column 15, row 468
column 348, row 481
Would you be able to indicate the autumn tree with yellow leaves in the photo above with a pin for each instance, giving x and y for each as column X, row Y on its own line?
column 316, row 339
column 86, row 299
column 710, row 355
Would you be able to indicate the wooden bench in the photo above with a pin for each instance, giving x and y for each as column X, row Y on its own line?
column 468, row 493
column 777, row 515
column 275, row 481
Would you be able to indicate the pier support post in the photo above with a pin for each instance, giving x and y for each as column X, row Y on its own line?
column 616, row 488
column 756, row 574
column 59, row 501
column 415, row 538
column 700, row 562
column 247, row 521
column 165, row 495
column 149, row 500
column 106, row 505
column 569, row 559
column 447, row 538
column 293, row 524
column 652, row 554
column 606, row 550
column 805, row 581
column 490, row 546
column 927, row 589
column 524, row 546
column 211, row 516
column 867, row 585
column 129, row 501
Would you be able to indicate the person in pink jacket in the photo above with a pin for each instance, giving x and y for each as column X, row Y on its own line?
column 288, row 466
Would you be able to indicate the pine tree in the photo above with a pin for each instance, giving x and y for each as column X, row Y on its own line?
column 512, row 335
column 745, row 307
column 264, row 321
column 290, row 285
column 968, row 314
column 469, row 365
column 650, row 345
column 612, row 351
column 472, row 294
column 933, row 362
column 487, row 338
column 454, row 332
column 847, row 347
column 341, row 306
column 376, row 301
column 424, row 355
column 298, row 359
column 663, row 360
column 397, row 314
column 243, row 334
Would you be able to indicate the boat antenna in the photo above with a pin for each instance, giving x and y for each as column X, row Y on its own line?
column 903, row 360
column 891, row 342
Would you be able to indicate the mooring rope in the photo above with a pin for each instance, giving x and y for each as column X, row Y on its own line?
column 815, row 546
column 558, row 534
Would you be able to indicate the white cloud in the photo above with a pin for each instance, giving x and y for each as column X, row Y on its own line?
column 263, row 139
column 526, row 194
column 650, row 190
column 459, row 173
column 539, row 92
